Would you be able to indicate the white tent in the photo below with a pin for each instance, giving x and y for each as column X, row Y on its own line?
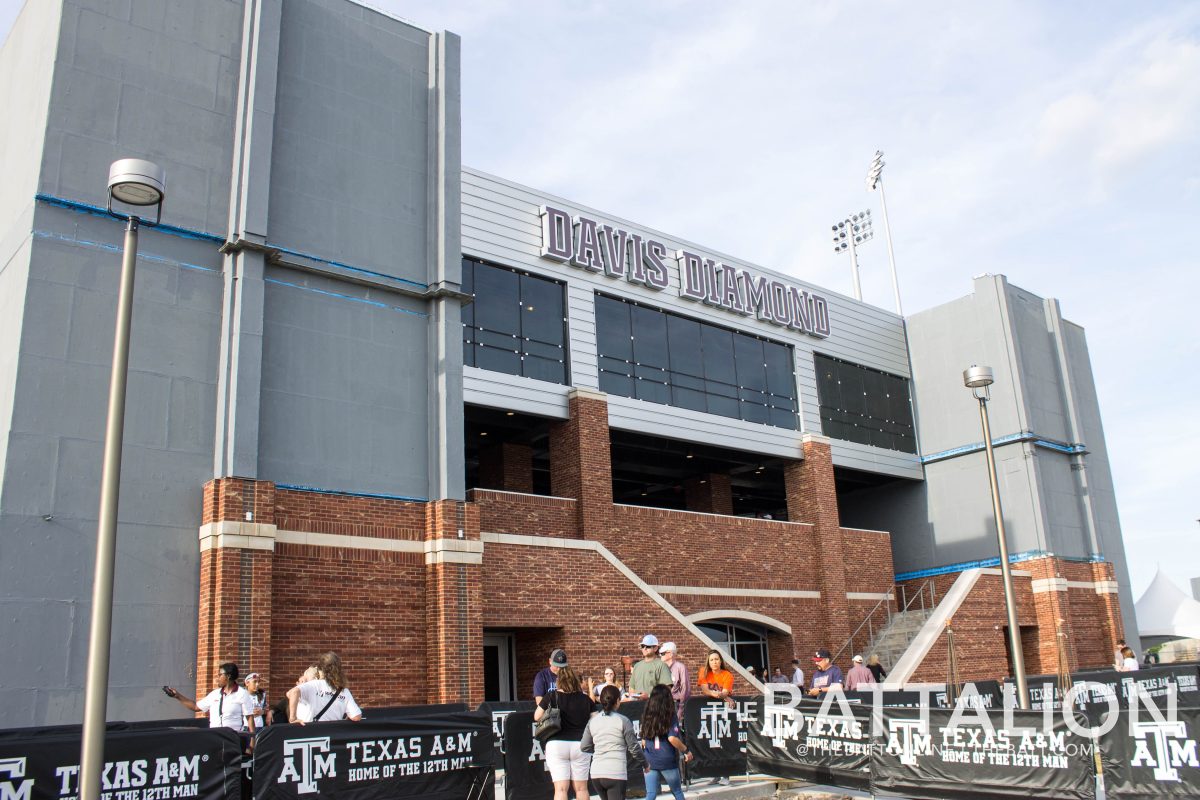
column 1164, row 610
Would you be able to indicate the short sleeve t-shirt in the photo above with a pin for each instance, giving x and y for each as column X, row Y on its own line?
column 227, row 710
column 576, row 709
column 648, row 674
column 317, row 693
column 544, row 682
column 660, row 754
column 716, row 680
column 826, row 677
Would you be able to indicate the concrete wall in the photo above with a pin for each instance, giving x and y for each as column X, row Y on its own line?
column 309, row 369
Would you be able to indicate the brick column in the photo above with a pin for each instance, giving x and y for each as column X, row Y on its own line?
column 453, row 603
column 1109, row 601
column 237, row 542
column 1051, row 603
column 711, row 493
column 812, row 498
column 581, row 461
column 507, row 466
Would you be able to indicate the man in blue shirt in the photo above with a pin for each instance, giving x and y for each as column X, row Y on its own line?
column 546, row 681
column 827, row 675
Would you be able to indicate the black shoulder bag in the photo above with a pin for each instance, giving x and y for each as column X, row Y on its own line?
column 332, row 700
column 550, row 723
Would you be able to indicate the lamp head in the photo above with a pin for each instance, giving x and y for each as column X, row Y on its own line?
column 978, row 379
column 136, row 182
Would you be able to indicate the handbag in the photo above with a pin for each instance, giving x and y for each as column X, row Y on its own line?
column 550, row 723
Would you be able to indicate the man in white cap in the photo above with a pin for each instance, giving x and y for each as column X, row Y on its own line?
column 650, row 671
column 681, row 684
column 858, row 675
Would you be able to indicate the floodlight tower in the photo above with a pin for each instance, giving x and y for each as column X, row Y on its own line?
column 875, row 181
column 847, row 236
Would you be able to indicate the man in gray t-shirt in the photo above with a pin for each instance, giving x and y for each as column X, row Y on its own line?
column 650, row 671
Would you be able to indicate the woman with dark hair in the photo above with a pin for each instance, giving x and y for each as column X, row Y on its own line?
column 661, row 740
column 327, row 695
column 716, row 681
column 568, row 764
column 608, row 737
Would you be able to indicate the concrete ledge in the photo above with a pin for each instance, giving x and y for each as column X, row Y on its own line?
column 237, row 535
column 724, row 591
column 453, row 551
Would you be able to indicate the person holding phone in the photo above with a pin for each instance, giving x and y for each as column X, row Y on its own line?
column 227, row 706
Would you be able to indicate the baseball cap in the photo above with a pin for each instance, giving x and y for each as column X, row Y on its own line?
column 668, row 647
column 649, row 640
column 859, row 659
column 822, row 653
column 253, row 676
column 558, row 658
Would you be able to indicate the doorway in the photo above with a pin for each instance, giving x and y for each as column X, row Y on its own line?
column 498, row 672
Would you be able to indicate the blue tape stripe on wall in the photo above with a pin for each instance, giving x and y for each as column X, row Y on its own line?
column 188, row 233
column 340, row 296
column 296, row 488
column 992, row 562
column 1023, row 436
column 112, row 248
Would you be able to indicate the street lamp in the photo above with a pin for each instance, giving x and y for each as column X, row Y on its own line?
column 847, row 236
column 875, row 181
column 140, row 184
column 978, row 379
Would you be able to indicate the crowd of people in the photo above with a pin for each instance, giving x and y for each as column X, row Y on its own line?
column 595, row 741
column 320, row 695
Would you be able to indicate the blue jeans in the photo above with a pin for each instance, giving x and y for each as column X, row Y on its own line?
column 655, row 776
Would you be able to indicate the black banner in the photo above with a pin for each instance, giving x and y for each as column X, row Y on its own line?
column 1145, row 757
column 831, row 748
column 447, row 756
column 140, row 763
column 716, row 734
column 499, row 712
column 929, row 757
column 1154, row 682
column 525, row 773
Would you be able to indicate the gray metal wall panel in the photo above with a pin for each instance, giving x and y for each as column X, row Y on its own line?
column 484, row 387
column 501, row 224
column 340, row 407
column 1042, row 380
column 350, row 159
column 58, row 428
column 152, row 80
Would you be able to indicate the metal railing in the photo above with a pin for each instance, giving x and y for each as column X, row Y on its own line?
column 924, row 599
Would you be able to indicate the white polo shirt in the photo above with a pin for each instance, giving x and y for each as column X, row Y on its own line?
column 227, row 710
column 317, row 693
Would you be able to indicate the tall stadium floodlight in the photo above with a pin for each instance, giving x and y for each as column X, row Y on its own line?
column 978, row 379
column 847, row 236
column 875, row 181
column 139, row 184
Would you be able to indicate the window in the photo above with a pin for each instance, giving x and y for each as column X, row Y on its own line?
column 515, row 324
column 741, row 641
column 864, row 405
column 665, row 358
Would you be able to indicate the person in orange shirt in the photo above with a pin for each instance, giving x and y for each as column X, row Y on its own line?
column 716, row 681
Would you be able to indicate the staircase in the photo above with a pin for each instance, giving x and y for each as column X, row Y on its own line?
column 887, row 633
column 891, row 642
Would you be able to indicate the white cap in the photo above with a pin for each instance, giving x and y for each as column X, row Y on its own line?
column 667, row 647
column 857, row 659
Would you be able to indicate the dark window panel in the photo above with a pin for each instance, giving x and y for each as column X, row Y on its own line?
column 498, row 360
column 688, row 398
column 468, row 354
column 650, row 337
column 751, row 365
column 613, row 329
column 717, row 346
column 616, row 365
column 544, row 369
column 551, row 351
column 683, row 336
column 619, row 385
column 752, row 412
column 783, row 418
column 653, row 392
column 541, row 310
column 497, row 299
column 781, row 377
column 501, row 341
column 725, row 406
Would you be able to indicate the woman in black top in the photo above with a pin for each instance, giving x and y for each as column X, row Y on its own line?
column 876, row 669
column 566, row 761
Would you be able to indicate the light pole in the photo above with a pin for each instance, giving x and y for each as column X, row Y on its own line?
column 875, row 181
column 138, row 183
column 847, row 236
column 978, row 379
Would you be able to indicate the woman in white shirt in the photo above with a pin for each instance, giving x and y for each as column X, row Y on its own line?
column 1128, row 662
column 327, row 695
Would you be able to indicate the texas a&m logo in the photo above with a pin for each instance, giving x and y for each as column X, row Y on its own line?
column 909, row 738
column 1164, row 746
column 305, row 761
column 14, row 788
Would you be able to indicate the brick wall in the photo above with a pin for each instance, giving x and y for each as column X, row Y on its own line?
column 530, row 515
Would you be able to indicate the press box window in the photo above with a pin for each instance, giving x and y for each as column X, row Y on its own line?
column 864, row 405
column 515, row 324
column 665, row 358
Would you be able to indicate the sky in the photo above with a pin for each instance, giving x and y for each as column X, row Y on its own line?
column 1051, row 142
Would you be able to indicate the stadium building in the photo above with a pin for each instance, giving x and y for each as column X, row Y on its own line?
column 442, row 422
